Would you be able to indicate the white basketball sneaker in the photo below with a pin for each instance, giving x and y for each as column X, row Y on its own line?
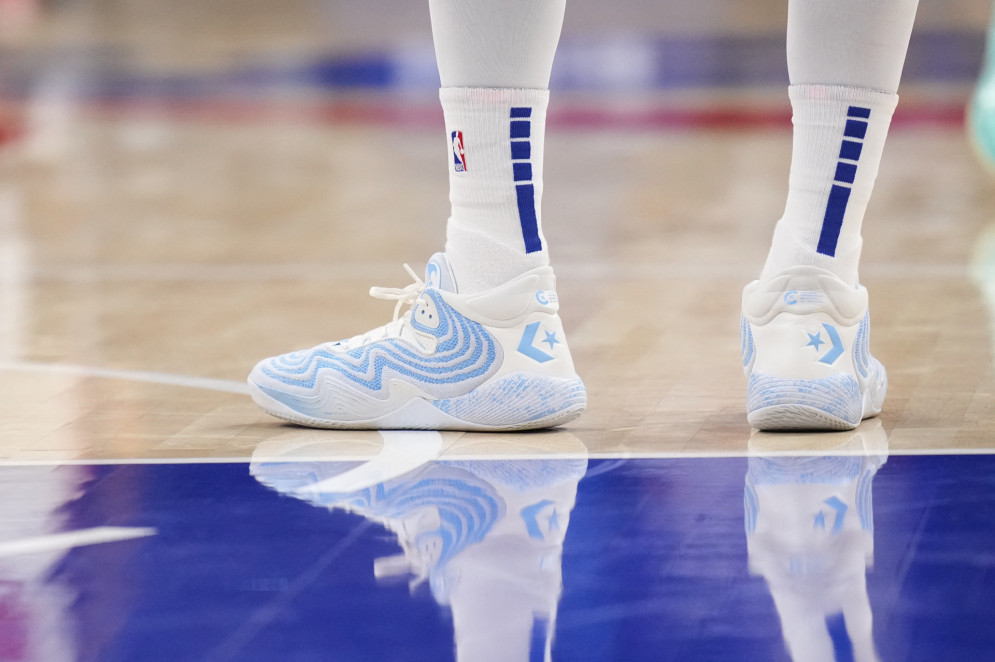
column 805, row 337
column 494, row 360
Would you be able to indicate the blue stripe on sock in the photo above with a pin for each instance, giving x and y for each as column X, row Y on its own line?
column 521, row 112
column 845, row 172
column 842, row 646
column 523, row 172
column 857, row 111
column 850, row 150
column 521, row 150
column 521, row 129
column 855, row 129
column 527, row 217
column 832, row 222
column 540, row 635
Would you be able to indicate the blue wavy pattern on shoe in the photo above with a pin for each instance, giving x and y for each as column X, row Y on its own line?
column 829, row 470
column 467, row 506
column 464, row 351
column 746, row 340
column 865, row 506
column 751, row 508
column 524, row 475
column 836, row 395
column 861, row 347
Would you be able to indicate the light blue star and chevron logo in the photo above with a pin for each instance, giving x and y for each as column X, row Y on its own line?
column 839, row 507
column 835, row 351
column 527, row 345
column 530, row 515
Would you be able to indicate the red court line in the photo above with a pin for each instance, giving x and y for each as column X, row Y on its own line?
column 423, row 114
column 564, row 115
column 10, row 130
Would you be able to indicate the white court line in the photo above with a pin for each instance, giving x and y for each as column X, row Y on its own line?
column 445, row 457
column 229, row 386
column 224, row 385
column 70, row 539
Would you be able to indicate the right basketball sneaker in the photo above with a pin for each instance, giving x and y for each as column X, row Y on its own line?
column 493, row 360
column 805, row 342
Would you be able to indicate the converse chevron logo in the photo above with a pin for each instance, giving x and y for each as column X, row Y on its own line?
column 836, row 344
column 459, row 153
column 527, row 345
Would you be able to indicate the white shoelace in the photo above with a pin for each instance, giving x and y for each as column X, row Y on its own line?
column 404, row 296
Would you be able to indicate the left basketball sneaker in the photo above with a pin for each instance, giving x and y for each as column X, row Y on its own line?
column 493, row 360
column 805, row 340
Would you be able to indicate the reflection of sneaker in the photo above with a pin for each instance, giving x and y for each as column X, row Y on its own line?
column 485, row 534
column 810, row 534
column 494, row 360
column 805, row 353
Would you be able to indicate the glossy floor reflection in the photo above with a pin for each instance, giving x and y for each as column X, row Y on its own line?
column 847, row 555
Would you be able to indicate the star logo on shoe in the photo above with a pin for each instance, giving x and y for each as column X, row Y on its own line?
column 839, row 514
column 836, row 349
column 527, row 345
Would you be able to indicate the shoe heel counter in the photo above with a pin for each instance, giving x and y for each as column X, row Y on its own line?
column 506, row 305
column 537, row 345
column 809, row 346
column 804, row 291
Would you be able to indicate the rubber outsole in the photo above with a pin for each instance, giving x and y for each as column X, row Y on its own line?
column 421, row 414
column 797, row 418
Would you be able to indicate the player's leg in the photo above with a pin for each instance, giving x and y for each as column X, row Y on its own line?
column 482, row 346
column 805, row 321
column 494, row 63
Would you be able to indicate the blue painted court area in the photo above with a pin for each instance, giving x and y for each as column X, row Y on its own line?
column 686, row 559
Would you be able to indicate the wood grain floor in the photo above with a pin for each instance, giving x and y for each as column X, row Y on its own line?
column 147, row 261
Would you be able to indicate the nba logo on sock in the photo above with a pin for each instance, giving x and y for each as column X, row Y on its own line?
column 459, row 154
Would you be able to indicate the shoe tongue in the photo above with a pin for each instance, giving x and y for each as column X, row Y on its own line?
column 439, row 275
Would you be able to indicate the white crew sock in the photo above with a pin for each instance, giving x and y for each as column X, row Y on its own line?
column 495, row 183
column 842, row 54
column 494, row 61
column 839, row 135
